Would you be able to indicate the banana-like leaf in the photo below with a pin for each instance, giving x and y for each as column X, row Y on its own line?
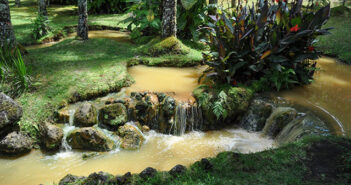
column 188, row 4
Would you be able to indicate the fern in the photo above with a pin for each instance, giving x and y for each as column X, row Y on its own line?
column 219, row 107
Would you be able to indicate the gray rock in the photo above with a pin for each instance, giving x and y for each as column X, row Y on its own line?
column 148, row 172
column 86, row 115
column 16, row 143
column 10, row 114
column 257, row 114
column 89, row 139
column 51, row 136
column 178, row 169
column 303, row 126
column 279, row 118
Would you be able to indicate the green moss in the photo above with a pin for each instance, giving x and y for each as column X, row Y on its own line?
column 170, row 45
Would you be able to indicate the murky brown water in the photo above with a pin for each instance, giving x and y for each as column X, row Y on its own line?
column 160, row 151
column 329, row 95
column 179, row 82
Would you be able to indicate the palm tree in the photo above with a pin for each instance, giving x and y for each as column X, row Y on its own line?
column 169, row 18
column 82, row 30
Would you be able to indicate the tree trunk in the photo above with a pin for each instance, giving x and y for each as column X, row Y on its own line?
column 169, row 18
column 42, row 9
column 83, row 19
column 233, row 3
column 18, row 3
column 7, row 36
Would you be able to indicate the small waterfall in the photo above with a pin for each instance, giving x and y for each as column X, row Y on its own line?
column 67, row 129
column 188, row 117
column 71, row 116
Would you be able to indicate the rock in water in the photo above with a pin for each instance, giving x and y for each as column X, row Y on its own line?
column 86, row 115
column 52, row 136
column 301, row 127
column 89, row 139
column 114, row 115
column 10, row 114
column 16, row 143
column 132, row 138
column 255, row 118
column 279, row 118
column 70, row 179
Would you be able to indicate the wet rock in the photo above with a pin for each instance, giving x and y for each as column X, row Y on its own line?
column 89, row 139
column 16, row 143
column 168, row 106
column 114, row 115
column 70, row 179
column 206, row 164
column 178, row 169
column 89, row 155
column 10, row 114
column 279, row 118
column 148, row 172
column 132, row 138
column 86, row 115
column 257, row 114
column 145, row 129
column 125, row 179
column 97, row 178
column 63, row 115
column 303, row 126
column 51, row 136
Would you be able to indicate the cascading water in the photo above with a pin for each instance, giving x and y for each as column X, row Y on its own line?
column 188, row 117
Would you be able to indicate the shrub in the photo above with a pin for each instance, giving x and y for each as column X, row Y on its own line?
column 40, row 27
column 14, row 79
column 268, row 43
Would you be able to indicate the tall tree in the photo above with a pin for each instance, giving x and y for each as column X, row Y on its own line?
column 169, row 18
column 42, row 9
column 83, row 19
column 7, row 36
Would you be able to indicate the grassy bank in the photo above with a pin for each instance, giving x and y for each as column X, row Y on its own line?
column 338, row 43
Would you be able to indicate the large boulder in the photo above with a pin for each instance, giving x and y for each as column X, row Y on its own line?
column 303, row 126
column 279, row 118
column 85, row 115
column 51, row 136
column 16, row 143
column 89, row 138
column 257, row 114
column 10, row 114
column 132, row 137
column 114, row 115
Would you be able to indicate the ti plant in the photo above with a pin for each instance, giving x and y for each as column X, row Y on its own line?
column 270, row 43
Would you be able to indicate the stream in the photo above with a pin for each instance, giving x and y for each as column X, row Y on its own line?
column 328, row 96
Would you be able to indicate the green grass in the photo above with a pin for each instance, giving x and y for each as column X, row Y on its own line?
column 338, row 43
column 290, row 164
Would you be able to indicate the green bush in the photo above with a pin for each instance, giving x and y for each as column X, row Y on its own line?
column 146, row 20
column 14, row 78
column 270, row 44
column 40, row 27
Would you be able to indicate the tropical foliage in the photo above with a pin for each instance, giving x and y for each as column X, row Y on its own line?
column 269, row 43
column 40, row 27
column 14, row 78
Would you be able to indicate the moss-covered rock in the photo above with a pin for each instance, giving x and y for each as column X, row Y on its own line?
column 257, row 114
column 279, row 118
column 132, row 137
column 51, row 136
column 10, row 113
column 170, row 45
column 114, row 115
column 85, row 115
column 89, row 138
column 16, row 143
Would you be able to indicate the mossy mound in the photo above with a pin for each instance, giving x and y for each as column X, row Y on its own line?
column 171, row 45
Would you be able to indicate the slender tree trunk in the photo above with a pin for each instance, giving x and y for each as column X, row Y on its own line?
column 83, row 19
column 169, row 18
column 42, row 9
column 18, row 3
column 233, row 3
column 7, row 36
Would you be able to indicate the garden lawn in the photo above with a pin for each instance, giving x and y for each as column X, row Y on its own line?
column 338, row 42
